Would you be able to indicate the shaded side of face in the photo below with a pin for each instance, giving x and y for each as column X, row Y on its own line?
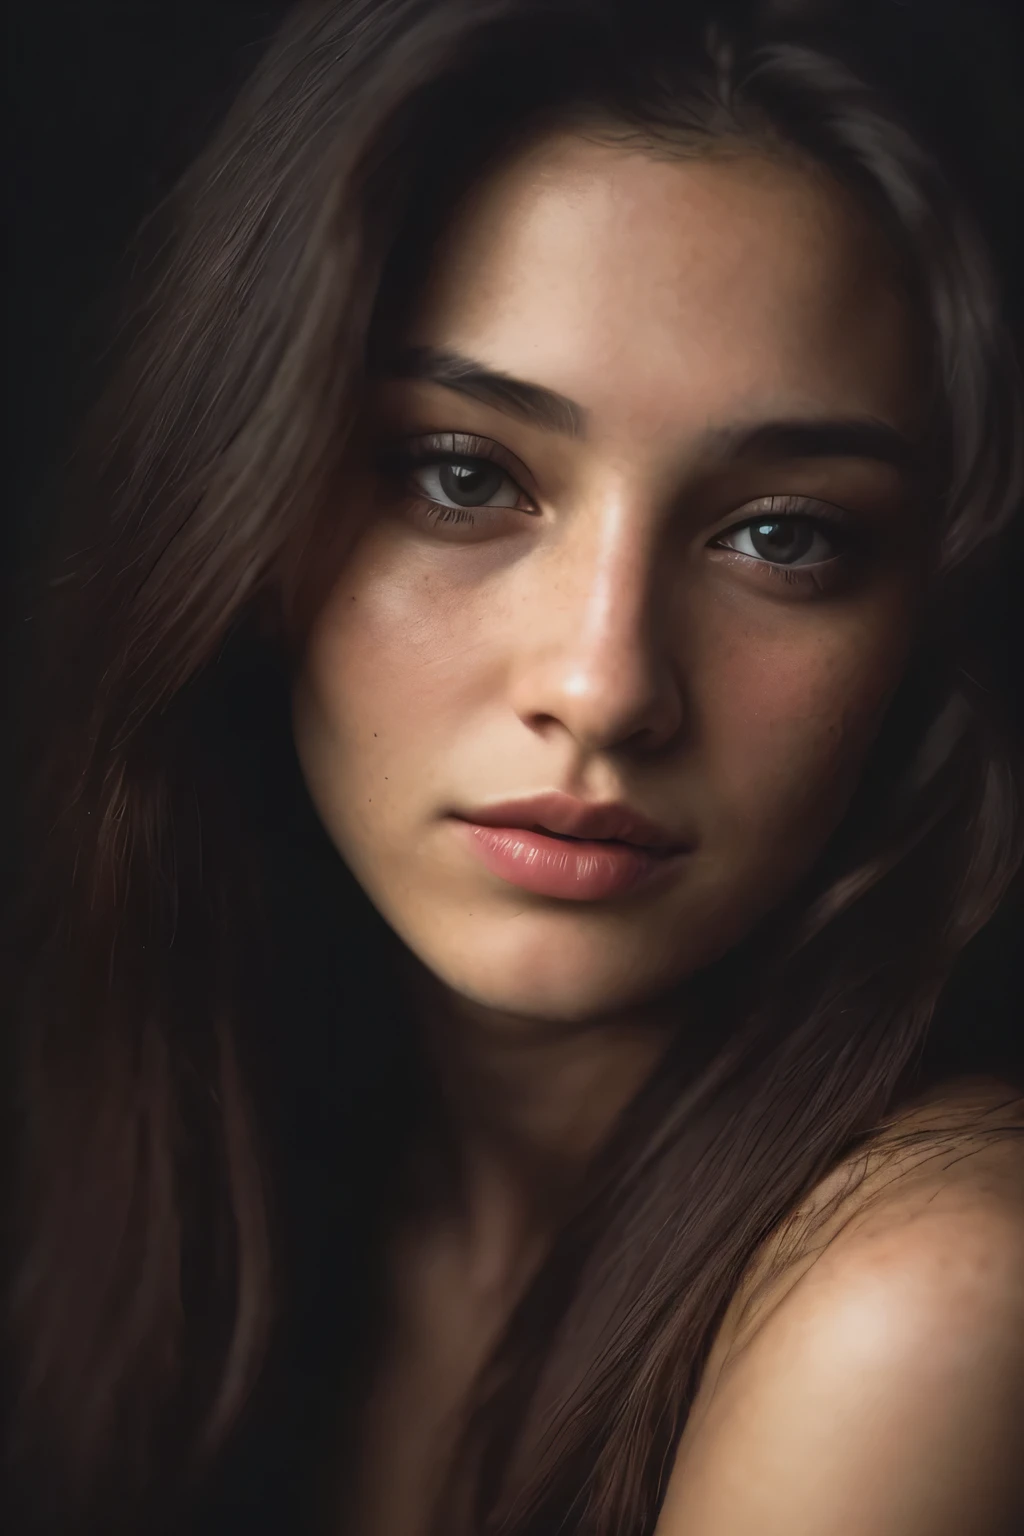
column 691, row 591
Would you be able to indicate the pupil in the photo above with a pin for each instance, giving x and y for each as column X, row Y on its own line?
column 470, row 485
column 783, row 541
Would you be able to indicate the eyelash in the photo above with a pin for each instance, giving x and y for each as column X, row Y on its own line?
column 833, row 521
column 457, row 448
column 446, row 448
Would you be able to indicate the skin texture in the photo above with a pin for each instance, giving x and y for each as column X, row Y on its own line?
column 606, row 628
column 872, row 1383
column 884, row 1398
column 598, row 643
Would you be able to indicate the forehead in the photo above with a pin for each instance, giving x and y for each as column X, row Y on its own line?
column 645, row 285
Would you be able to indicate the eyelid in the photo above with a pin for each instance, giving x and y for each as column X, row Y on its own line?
column 427, row 447
column 810, row 508
column 855, row 537
column 820, row 577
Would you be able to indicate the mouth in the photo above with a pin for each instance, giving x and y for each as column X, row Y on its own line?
column 601, row 842
column 564, row 867
column 567, row 819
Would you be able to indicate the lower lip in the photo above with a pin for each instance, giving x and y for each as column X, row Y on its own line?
column 571, row 871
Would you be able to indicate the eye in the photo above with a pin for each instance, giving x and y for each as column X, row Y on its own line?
column 453, row 476
column 785, row 538
column 462, row 482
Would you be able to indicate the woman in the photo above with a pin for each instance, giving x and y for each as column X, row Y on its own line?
column 511, row 769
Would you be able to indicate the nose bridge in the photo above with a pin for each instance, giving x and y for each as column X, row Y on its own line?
column 614, row 600
column 599, row 661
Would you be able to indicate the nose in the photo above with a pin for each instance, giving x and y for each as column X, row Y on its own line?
column 598, row 657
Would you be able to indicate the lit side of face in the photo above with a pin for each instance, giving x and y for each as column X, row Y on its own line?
column 657, row 595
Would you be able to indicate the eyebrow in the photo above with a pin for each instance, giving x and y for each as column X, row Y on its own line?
column 859, row 437
column 765, row 441
column 532, row 403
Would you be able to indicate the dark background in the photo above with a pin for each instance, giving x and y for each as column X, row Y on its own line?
column 110, row 100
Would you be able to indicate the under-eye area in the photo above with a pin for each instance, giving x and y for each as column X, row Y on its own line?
column 465, row 487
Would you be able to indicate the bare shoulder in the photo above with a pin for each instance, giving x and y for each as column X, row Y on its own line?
column 956, row 1149
column 872, row 1379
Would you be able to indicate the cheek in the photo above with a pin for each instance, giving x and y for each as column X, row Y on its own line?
column 385, row 680
column 788, row 724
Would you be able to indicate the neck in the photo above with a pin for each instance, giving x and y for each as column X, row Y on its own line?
column 525, row 1104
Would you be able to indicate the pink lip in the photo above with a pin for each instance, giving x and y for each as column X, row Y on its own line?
column 586, row 869
column 555, row 812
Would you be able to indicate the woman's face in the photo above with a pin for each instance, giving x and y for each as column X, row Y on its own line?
column 690, row 591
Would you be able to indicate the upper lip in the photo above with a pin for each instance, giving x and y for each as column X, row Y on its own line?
column 555, row 812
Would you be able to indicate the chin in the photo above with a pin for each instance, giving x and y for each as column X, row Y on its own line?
column 572, row 1001
column 567, row 981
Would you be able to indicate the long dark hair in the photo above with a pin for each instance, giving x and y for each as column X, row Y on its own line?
column 148, row 937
